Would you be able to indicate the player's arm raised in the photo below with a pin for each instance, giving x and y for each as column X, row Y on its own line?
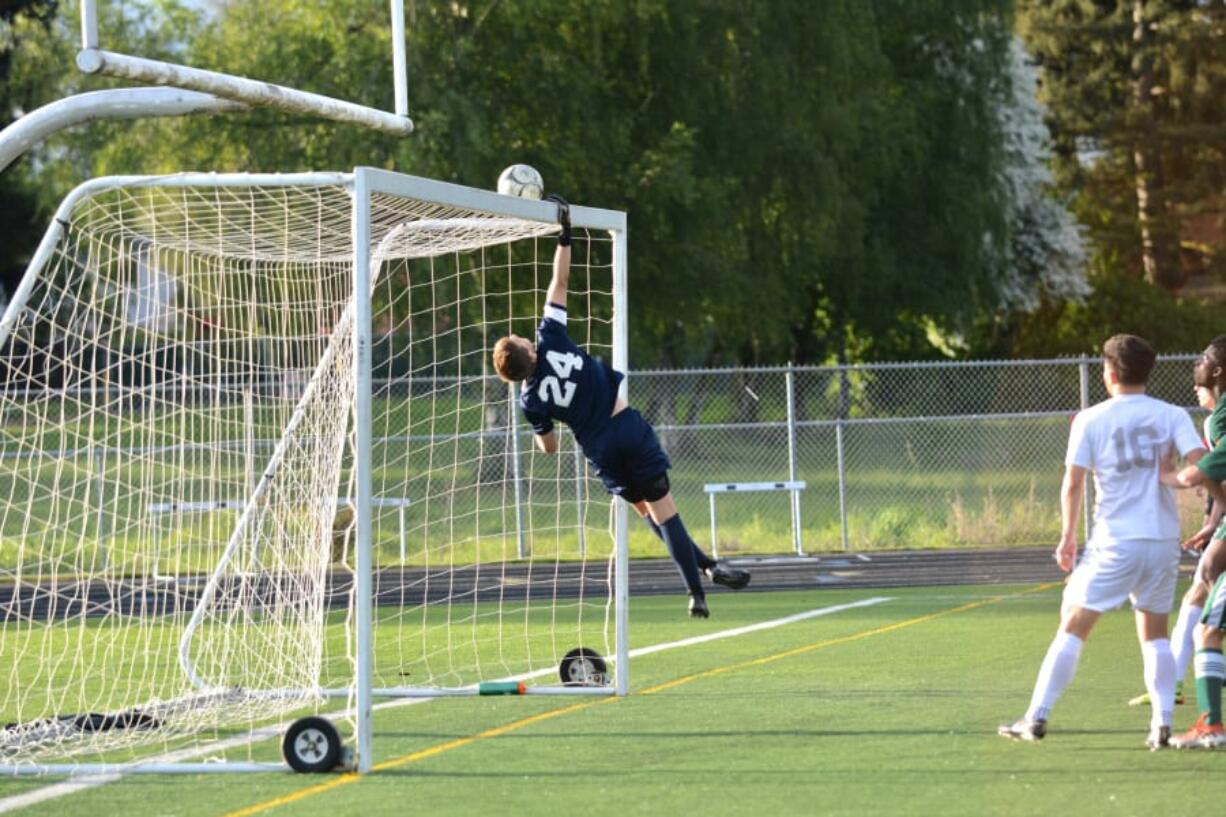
column 556, row 294
column 1072, row 489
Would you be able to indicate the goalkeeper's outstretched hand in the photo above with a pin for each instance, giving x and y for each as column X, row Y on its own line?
column 563, row 217
column 563, row 209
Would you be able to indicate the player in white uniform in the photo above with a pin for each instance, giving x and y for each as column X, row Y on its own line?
column 1133, row 550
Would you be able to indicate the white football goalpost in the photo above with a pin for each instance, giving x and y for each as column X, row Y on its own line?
column 187, row 90
column 196, row 373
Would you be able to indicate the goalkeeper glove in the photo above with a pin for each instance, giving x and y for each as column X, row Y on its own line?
column 563, row 218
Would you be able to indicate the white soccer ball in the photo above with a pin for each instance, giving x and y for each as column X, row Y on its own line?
column 521, row 180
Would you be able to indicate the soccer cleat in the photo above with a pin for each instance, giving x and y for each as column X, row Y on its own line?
column 1143, row 698
column 1024, row 729
column 730, row 577
column 698, row 607
column 1159, row 738
column 1202, row 735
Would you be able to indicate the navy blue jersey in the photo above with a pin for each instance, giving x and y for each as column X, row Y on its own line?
column 568, row 384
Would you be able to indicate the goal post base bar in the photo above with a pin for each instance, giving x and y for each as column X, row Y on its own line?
column 470, row 691
column 105, row 769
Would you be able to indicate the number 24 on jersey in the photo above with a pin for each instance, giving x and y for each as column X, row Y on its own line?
column 550, row 390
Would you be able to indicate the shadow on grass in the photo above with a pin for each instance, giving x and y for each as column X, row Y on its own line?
column 809, row 773
column 743, row 734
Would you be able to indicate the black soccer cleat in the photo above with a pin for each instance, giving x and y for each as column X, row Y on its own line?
column 731, row 577
column 698, row 607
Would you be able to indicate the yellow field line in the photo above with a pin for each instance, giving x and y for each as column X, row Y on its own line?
column 422, row 754
column 413, row 757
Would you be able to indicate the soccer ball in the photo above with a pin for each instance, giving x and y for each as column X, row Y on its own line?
column 521, row 180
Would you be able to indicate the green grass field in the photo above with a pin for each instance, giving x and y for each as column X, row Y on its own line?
column 886, row 709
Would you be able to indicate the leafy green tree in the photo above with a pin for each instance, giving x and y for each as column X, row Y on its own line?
column 1045, row 253
column 1134, row 88
column 18, row 205
column 802, row 184
column 1118, row 303
column 786, row 172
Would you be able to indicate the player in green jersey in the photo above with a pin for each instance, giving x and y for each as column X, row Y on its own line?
column 1213, row 556
column 1208, row 732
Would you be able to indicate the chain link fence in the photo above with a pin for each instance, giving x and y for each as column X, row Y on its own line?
column 893, row 456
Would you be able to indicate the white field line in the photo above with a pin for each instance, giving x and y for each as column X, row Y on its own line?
column 762, row 625
column 732, row 633
column 76, row 784
column 61, row 789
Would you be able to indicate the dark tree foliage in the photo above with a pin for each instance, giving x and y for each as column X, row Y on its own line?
column 798, row 178
column 1134, row 90
column 19, row 223
column 804, row 180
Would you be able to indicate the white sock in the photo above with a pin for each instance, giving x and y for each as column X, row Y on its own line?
column 1059, row 666
column 1181, row 638
column 1159, row 679
column 1210, row 664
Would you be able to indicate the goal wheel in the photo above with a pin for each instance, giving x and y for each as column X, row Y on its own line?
column 311, row 745
column 582, row 667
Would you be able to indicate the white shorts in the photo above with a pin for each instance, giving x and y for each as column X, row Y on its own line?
column 1142, row 570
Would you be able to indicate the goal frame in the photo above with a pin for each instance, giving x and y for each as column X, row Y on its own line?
column 367, row 182
column 363, row 183
column 92, row 59
column 171, row 89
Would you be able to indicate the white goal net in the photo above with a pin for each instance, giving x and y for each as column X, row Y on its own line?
column 177, row 472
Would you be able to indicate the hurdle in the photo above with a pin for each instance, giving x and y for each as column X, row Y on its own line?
column 399, row 503
column 712, row 489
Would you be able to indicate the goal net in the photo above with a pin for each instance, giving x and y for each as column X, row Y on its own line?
column 178, row 482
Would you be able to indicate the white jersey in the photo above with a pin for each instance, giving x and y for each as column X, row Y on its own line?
column 1122, row 440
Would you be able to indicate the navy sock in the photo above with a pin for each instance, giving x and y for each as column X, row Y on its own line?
column 703, row 560
column 683, row 551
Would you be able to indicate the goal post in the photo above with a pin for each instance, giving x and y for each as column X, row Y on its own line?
column 180, row 90
column 200, row 375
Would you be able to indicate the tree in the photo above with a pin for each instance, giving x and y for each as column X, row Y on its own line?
column 18, row 205
column 1133, row 90
column 1045, row 252
column 800, row 185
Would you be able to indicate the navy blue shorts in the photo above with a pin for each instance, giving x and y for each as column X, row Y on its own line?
column 626, row 453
